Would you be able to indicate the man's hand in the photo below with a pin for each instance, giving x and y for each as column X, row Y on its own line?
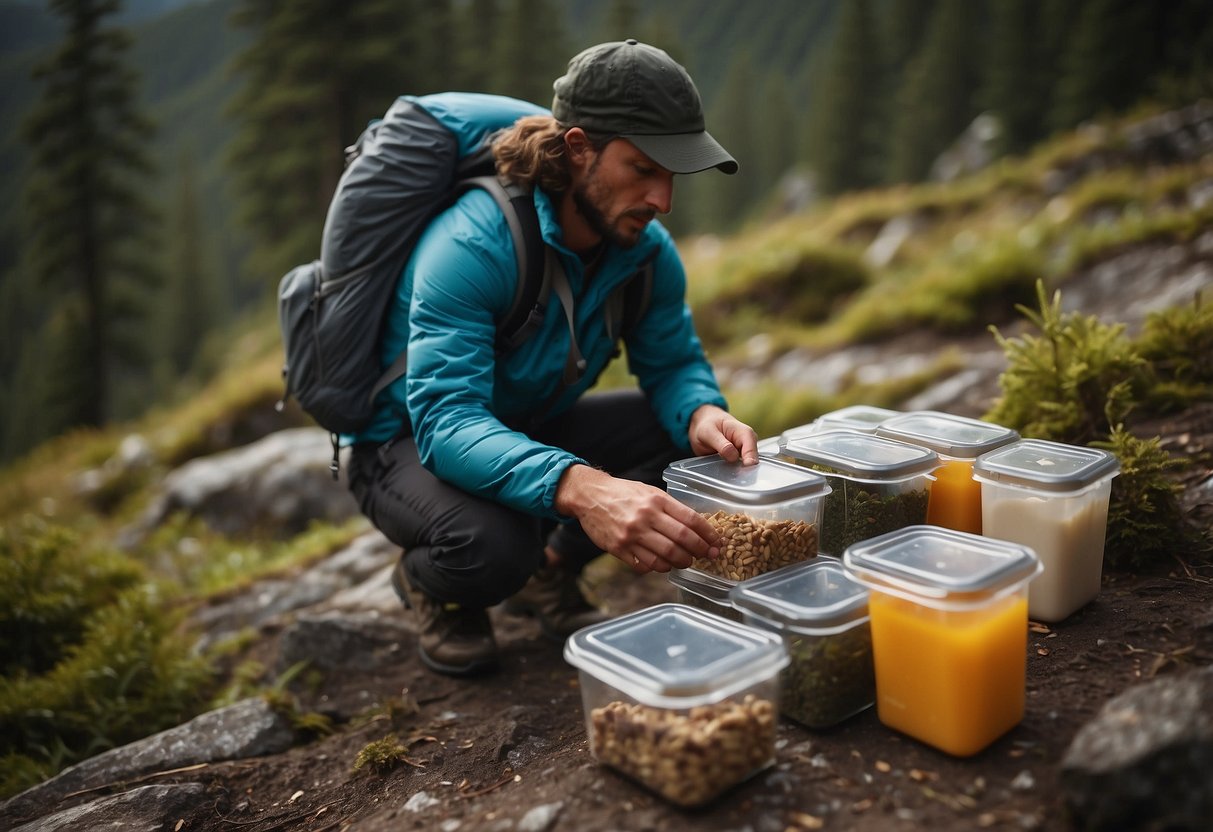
column 714, row 431
column 641, row 525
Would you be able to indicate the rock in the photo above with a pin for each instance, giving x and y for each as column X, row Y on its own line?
column 334, row 641
column 540, row 818
column 280, row 485
column 145, row 809
column 1143, row 762
column 249, row 728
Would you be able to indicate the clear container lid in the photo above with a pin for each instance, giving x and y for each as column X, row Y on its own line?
column 767, row 482
column 816, row 596
column 673, row 656
column 859, row 417
column 1046, row 466
column 934, row 562
column 702, row 584
column 861, row 455
column 769, row 446
column 947, row 435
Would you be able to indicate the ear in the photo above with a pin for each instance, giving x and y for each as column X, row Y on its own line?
column 580, row 150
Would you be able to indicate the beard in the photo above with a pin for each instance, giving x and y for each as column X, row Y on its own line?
column 590, row 195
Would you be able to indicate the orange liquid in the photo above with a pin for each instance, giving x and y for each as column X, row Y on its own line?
column 955, row 501
column 954, row 680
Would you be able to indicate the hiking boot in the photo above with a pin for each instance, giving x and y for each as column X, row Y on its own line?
column 453, row 640
column 553, row 596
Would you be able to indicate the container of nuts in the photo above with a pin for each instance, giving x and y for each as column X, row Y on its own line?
column 767, row 515
column 822, row 616
column 681, row 701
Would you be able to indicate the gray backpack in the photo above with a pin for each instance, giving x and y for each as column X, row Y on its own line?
column 403, row 170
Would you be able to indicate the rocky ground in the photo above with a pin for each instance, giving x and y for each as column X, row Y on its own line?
column 508, row 752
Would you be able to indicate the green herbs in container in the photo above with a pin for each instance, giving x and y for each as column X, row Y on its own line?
column 822, row 616
column 877, row 485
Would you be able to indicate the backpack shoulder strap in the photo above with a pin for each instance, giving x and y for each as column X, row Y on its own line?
column 534, row 274
column 628, row 303
column 534, row 268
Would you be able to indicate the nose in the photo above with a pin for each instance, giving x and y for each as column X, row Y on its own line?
column 661, row 195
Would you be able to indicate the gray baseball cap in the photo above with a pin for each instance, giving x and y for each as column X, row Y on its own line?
column 639, row 93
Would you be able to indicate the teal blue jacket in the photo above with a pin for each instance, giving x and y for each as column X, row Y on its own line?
column 459, row 282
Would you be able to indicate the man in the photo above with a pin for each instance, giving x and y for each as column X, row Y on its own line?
column 494, row 471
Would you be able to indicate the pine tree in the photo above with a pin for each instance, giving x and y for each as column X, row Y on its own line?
column 531, row 49
column 316, row 72
column 476, row 33
column 1107, row 61
column 849, row 148
column 89, row 226
column 937, row 100
column 189, row 306
column 1014, row 88
column 733, row 121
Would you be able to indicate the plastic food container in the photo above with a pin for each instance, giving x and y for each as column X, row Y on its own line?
column 955, row 496
column 949, row 615
column 861, row 417
column 1053, row 498
column 704, row 592
column 680, row 701
column 768, row 514
column 822, row 616
column 876, row 484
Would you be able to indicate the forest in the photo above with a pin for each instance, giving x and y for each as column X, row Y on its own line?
column 166, row 162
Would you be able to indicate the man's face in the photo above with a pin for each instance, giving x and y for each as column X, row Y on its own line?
column 622, row 190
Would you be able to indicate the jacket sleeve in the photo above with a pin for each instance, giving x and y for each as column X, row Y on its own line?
column 463, row 270
column 665, row 354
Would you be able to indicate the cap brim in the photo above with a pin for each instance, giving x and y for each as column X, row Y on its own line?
column 685, row 152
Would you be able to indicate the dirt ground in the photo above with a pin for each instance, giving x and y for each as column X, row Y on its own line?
column 483, row 753
column 508, row 752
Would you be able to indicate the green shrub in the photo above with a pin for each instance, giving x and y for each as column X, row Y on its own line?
column 1146, row 524
column 1178, row 343
column 1071, row 382
column 93, row 657
column 49, row 587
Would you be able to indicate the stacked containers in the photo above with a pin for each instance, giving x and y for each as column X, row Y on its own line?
column 1054, row 498
column 949, row 616
column 876, row 484
column 704, row 592
column 955, row 501
column 679, row 700
column 767, row 514
column 822, row 616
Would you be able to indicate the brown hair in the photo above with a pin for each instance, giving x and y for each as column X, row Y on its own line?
column 532, row 152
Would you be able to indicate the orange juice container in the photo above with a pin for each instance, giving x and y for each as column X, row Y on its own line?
column 1054, row 498
column 949, row 618
column 955, row 496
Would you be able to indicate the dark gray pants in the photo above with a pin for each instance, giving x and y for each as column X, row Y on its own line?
column 468, row 550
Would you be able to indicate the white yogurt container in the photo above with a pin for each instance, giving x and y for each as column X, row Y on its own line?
column 681, row 701
column 1053, row 498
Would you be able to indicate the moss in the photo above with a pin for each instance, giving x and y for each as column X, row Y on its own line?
column 381, row 756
